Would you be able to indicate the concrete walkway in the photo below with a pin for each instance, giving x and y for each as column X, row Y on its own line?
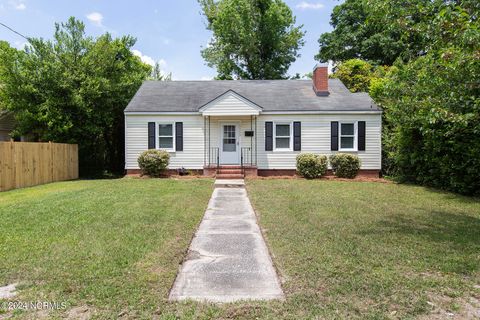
column 228, row 259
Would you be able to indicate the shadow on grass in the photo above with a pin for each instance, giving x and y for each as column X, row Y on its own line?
column 451, row 241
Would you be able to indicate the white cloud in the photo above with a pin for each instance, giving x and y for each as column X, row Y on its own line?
column 309, row 6
column 149, row 60
column 96, row 18
column 17, row 5
column 206, row 78
column 145, row 59
column 20, row 45
column 162, row 63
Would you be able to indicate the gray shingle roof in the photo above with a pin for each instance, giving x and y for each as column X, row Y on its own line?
column 271, row 95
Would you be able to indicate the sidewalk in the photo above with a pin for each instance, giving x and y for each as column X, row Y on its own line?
column 228, row 259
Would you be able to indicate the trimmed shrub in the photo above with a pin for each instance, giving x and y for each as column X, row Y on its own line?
column 311, row 166
column 153, row 162
column 345, row 165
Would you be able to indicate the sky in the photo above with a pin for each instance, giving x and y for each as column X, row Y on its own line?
column 171, row 32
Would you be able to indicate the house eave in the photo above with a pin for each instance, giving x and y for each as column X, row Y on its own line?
column 273, row 112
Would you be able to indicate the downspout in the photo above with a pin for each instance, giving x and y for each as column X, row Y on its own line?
column 256, row 141
column 251, row 141
column 209, row 140
column 204, row 141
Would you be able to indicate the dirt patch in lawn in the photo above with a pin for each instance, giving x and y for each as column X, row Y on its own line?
column 80, row 313
column 444, row 307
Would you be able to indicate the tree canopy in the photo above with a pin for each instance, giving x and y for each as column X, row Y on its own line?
column 430, row 95
column 432, row 102
column 357, row 35
column 73, row 89
column 252, row 39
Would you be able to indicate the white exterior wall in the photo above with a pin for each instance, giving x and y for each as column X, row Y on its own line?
column 136, row 140
column 315, row 137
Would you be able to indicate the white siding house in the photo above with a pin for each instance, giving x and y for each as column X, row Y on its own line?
column 261, row 125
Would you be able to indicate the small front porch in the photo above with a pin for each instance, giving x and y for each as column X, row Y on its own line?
column 230, row 136
column 230, row 147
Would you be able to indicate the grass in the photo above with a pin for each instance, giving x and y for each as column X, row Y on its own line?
column 111, row 245
column 342, row 249
column 371, row 250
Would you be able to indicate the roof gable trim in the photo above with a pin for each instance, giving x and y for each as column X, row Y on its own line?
column 230, row 101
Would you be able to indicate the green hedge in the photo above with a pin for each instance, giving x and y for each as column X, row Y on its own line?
column 311, row 166
column 153, row 162
column 345, row 165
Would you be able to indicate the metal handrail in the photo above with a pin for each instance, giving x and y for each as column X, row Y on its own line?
column 214, row 158
column 245, row 154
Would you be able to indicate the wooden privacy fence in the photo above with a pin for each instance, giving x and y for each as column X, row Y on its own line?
column 24, row 164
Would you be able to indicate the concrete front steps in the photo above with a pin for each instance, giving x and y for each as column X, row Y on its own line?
column 229, row 172
column 229, row 183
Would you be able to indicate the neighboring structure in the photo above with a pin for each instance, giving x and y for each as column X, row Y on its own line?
column 254, row 126
column 7, row 124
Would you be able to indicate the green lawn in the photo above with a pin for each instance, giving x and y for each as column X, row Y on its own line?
column 343, row 249
column 371, row 250
column 112, row 245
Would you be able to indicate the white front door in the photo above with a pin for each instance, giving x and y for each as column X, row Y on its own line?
column 229, row 143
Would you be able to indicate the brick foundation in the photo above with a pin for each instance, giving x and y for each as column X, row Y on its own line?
column 276, row 172
column 253, row 172
column 168, row 172
column 293, row 172
column 209, row 171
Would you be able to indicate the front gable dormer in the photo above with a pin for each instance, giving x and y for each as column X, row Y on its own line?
column 230, row 103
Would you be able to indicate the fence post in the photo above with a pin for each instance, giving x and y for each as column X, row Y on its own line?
column 51, row 160
column 14, row 163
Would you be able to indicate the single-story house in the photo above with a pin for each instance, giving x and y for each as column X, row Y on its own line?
column 252, row 127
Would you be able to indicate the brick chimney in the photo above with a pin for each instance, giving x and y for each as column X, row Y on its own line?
column 320, row 80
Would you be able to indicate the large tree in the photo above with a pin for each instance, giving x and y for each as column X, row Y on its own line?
column 374, row 30
column 74, row 89
column 355, row 35
column 432, row 103
column 252, row 39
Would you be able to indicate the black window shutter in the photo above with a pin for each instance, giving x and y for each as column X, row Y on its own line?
column 268, row 136
column 151, row 135
column 178, row 136
column 361, row 135
column 297, row 136
column 334, row 136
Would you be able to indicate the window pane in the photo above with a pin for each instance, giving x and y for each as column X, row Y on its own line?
column 282, row 143
column 283, row 130
column 165, row 143
column 229, row 145
column 346, row 143
column 165, row 130
column 229, row 131
column 347, row 129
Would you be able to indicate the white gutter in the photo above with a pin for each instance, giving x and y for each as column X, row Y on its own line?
column 261, row 113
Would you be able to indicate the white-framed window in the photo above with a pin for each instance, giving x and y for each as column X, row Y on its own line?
column 283, row 136
column 348, row 136
column 166, row 136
